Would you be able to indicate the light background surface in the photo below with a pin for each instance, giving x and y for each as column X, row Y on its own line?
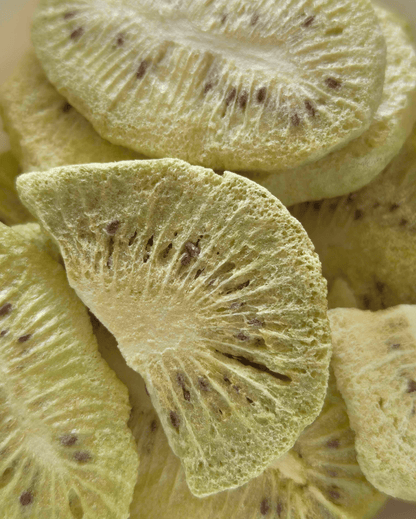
column 15, row 20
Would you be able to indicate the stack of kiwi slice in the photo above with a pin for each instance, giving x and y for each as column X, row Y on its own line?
column 191, row 185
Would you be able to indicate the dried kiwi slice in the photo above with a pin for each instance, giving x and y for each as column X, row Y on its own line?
column 44, row 129
column 66, row 450
column 368, row 238
column 12, row 211
column 357, row 163
column 375, row 365
column 254, row 86
column 214, row 294
column 318, row 478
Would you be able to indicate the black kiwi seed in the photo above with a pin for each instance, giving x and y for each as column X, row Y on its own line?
column 26, row 498
column 5, row 309
column 264, row 506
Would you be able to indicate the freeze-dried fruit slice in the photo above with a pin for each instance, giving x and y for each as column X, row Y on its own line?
column 361, row 160
column 33, row 233
column 12, row 211
column 214, row 294
column 247, row 86
column 318, row 478
column 66, row 450
column 44, row 129
column 375, row 365
column 368, row 238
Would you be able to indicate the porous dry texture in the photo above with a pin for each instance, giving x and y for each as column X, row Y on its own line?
column 318, row 478
column 66, row 449
column 214, row 295
column 368, row 238
column 33, row 233
column 375, row 365
column 12, row 211
column 244, row 86
column 45, row 130
column 361, row 160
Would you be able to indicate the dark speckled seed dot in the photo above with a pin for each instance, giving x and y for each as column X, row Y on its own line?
column 333, row 83
column 264, row 506
column 254, row 19
column 68, row 440
column 141, row 71
column 120, row 40
column 310, row 108
column 309, row 21
column 394, row 207
column 230, row 96
column 192, row 249
column 186, row 259
column 333, row 444
column 66, row 107
column 153, row 426
column 69, row 15
column 3, row 333
column 242, row 99
column 26, row 498
column 203, row 384
column 249, row 400
column 243, row 285
column 223, row 19
column 411, row 386
column 403, row 222
column 317, row 205
column 295, row 120
column 24, row 338
column 77, row 33
column 395, row 346
column 82, row 456
column 5, row 309
column 261, row 94
column 208, row 86
column 279, row 508
column 112, row 227
column 333, row 494
column 174, row 419
column 242, row 337
column 351, row 197
column 256, row 322
column 358, row 214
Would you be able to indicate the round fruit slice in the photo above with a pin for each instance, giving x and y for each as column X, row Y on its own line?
column 318, row 478
column 66, row 450
column 12, row 211
column 214, row 294
column 375, row 365
column 368, row 238
column 44, row 129
column 357, row 163
column 254, row 86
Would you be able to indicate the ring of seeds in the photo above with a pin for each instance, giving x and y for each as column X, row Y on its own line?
column 360, row 161
column 368, row 238
column 375, row 365
column 247, row 86
column 319, row 477
column 65, row 446
column 214, row 294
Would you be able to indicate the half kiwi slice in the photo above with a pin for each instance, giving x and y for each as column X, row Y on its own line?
column 12, row 211
column 214, row 295
column 356, row 164
column 375, row 365
column 66, row 450
column 44, row 129
column 318, row 478
column 368, row 238
column 251, row 85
